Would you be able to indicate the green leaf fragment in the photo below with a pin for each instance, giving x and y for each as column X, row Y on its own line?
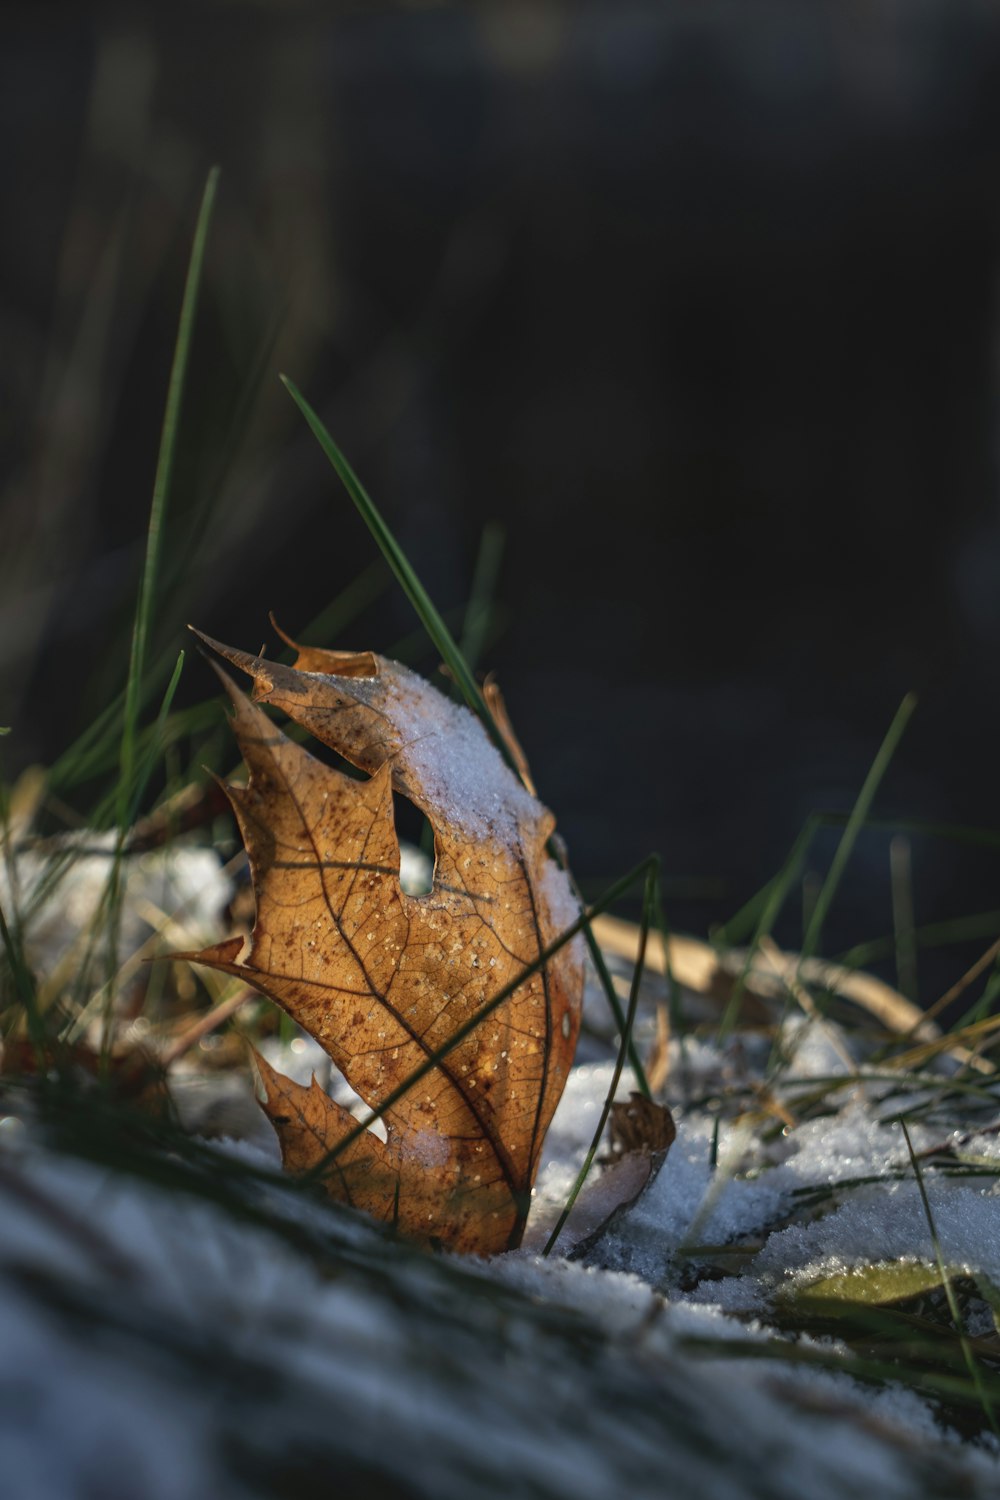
column 871, row 1286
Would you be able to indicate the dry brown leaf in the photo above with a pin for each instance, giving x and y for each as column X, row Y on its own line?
column 383, row 980
column 640, row 1124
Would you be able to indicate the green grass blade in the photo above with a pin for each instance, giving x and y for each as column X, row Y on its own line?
column 775, row 895
column 128, row 775
column 443, row 640
column 155, row 745
column 648, row 912
column 24, row 982
column 941, row 934
column 957, row 833
column 607, row 985
column 856, row 822
column 759, row 914
column 161, row 494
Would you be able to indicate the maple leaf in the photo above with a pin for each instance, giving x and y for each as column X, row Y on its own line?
column 382, row 979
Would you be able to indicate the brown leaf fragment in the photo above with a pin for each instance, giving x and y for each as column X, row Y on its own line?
column 642, row 1133
column 640, row 1124
column 498, row 708
column 383, row 980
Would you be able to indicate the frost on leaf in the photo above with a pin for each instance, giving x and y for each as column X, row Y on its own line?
column 381, row 979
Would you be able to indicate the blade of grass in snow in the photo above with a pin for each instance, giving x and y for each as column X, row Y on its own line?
column 753, row 916
column 984, row 1006
column 648, row 911
column 411, row 648
column 103, row 1001
column 734, row 932
column 888, row 1371
column 971, row 1362
column 207, row 511
column 607, row 985
column 958, row 989
column 673, row 988
column 817, row 1086
column 161, row 491
column 973, row 1034
column 127, row 775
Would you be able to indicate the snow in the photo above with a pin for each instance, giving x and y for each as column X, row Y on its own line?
column 187, row 1352
column 231, row 1335
column 446, row 752
column 58, row 891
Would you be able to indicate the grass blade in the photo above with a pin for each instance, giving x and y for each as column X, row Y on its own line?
column 414, row 590
column 648, row 910
column 161, row 494
column 856, row 822
column 971, row 1362
column 775, row 895
column 129, row 775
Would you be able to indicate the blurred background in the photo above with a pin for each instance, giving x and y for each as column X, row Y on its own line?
column 677, row 319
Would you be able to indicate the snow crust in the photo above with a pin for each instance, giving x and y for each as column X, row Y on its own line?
column 161, row 1345
column 184, row 1353
column 447, row 752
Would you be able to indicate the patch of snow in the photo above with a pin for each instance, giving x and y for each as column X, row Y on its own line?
column 690, row 1204
column 59, row 892
column 851, row 1143
column 162, row 1344
column 447, row 753
column 191, row 1353
column 889, row 1223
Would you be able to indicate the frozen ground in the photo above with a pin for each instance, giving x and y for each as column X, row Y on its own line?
column 188, row 1324
column 158, row 1343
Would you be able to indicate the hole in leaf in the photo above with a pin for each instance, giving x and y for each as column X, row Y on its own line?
column 416, row 846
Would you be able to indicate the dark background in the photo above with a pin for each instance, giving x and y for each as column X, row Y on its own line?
column 696, row 300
